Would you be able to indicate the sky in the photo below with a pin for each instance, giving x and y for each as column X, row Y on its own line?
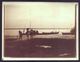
column 40, row 15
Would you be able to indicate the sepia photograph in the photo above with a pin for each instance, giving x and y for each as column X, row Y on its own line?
column 40, row 31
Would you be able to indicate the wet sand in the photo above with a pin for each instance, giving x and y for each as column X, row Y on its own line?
column 40, row 47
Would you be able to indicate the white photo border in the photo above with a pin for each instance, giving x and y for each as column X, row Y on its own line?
column 77, row 39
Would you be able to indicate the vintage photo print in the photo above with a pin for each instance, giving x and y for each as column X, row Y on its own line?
column 40, row 31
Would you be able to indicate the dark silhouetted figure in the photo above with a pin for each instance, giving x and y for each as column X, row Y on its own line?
column 27, row 33
column 32, row 32
column 36, row 32
column 20, row 35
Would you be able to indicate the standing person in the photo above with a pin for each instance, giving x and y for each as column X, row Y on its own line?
column 20, row 35
column 31, row 33
column 27, row 33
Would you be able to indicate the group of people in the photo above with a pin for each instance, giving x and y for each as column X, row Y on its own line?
column 29, row 33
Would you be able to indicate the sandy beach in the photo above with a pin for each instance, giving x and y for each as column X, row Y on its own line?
column 40, row 47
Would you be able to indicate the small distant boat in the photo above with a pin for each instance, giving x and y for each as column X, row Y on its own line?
column 66, row 33
column 54, row 32
column 50, row 33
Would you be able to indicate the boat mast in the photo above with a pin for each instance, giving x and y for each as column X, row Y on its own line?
column 30, row 19
column 75, row 17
